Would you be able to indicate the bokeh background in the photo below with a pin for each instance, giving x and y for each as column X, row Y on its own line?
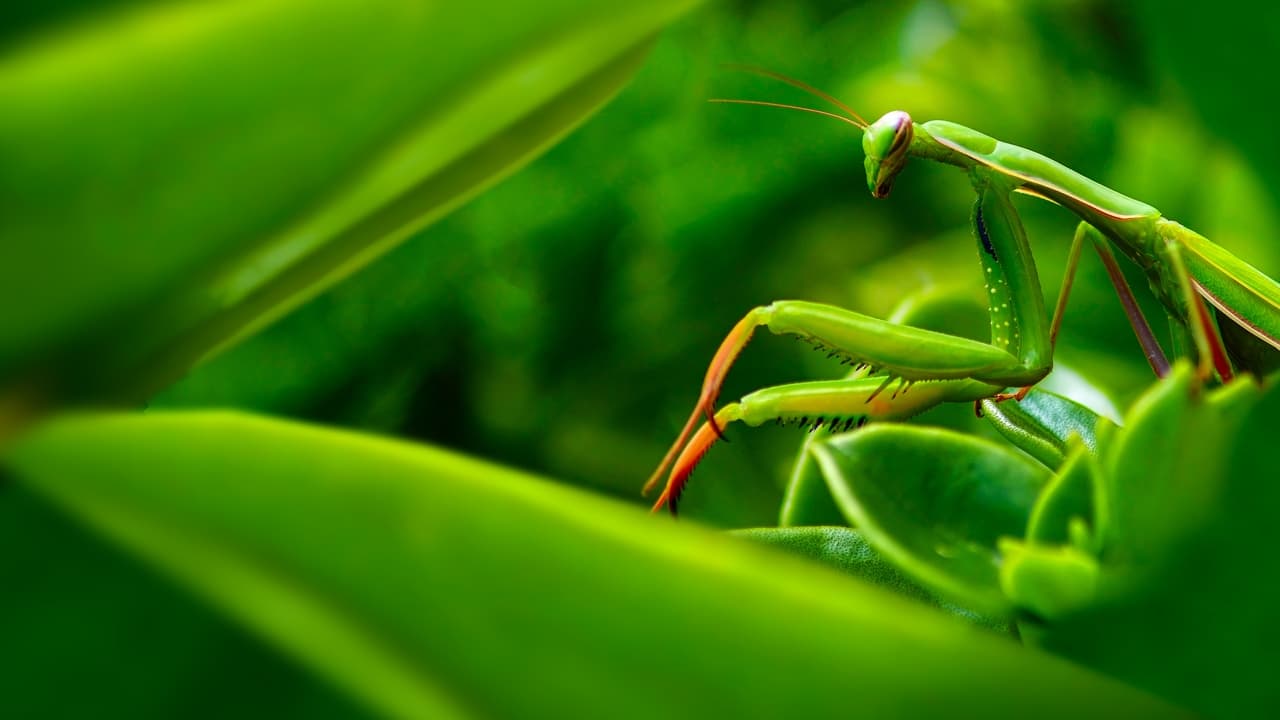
column 562, row 321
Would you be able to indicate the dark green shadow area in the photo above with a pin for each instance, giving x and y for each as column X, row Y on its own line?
column 92, row 633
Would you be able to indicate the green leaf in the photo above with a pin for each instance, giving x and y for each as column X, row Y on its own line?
column 75, row 602
column 935, row 502
column 1049, row 581
column 1163, row 469
column 846, row 550
column 210, row 166
column 1200, row 627
column 1042, row 422
column 1075, row 492
column 841, row 548
column 808, row 502
column 432, row 585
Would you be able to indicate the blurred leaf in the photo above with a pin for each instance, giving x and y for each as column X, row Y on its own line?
column 239, row 157
column 1048, row 581
column 90, row 631
column 419, row 579
column 1164, row 468
column 1200, row 628
column 1074, row 492
column 935, row 502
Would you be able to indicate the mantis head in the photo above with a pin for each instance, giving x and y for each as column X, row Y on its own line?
column 886, row 142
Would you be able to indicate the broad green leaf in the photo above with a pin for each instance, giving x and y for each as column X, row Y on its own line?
column 90, row 631
column 841, row 548
column 178, row 174
column 433, row 585
column 935, row 502
column 1163, row 470
column 1200, row 627
column 846, row 550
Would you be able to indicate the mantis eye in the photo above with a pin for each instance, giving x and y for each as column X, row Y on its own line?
column 886, row 143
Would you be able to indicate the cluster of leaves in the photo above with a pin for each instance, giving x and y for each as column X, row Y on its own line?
column 1080, row 549
column 176, row 177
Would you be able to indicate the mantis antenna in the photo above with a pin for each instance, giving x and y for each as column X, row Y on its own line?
column 861, row 122
column 784, row 106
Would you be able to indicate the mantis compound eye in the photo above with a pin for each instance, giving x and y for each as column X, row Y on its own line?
column 886, row 142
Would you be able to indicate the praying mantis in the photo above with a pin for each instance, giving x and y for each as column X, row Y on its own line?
column 903, row 371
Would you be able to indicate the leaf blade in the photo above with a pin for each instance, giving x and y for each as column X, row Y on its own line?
column 450, row 560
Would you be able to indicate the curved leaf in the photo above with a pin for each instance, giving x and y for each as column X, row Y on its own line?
column 429, row 584
column 1200, row 627
column 846, row 550
column 841, row 548
column 209, row 166
column 1049, row 581
column 935, row 502
column 1074, row 493
column 1042, row 422
column 1163, row 470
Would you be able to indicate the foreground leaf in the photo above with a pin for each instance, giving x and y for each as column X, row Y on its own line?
column 177, row 174
column 1200, row 626
column 80, row 613
column 429, row 584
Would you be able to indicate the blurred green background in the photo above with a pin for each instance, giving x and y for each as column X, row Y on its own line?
column 562, row 322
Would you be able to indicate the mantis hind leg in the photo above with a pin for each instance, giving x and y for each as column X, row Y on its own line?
column 1141, row 328
column 1199, row 323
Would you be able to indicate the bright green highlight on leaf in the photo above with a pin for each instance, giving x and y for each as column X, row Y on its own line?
column 421, row 581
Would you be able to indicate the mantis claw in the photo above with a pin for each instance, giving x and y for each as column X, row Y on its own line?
column 689, row 458
column 1015, row 396
column 708, row 411
column 733, row 343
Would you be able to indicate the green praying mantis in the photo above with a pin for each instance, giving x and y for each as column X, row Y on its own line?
column 902, row 371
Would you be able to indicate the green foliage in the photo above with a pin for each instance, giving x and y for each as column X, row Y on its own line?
column 417, row 579
column 935, row 502
column 316, row 168
column 175, row 178
column 1181, row 580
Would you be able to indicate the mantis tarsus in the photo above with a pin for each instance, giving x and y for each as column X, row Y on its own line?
column 907, row 370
